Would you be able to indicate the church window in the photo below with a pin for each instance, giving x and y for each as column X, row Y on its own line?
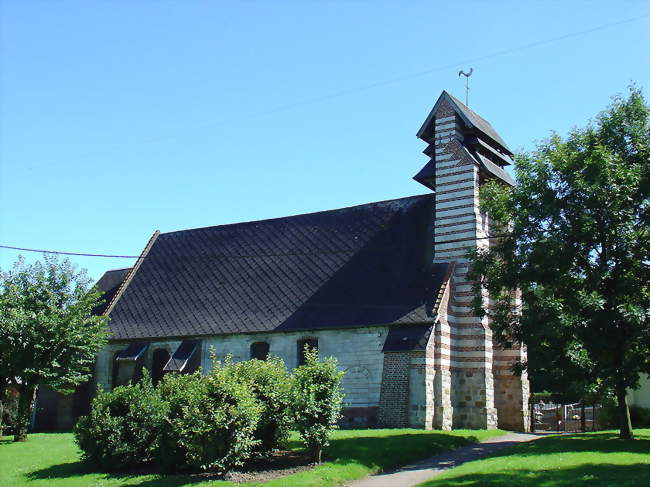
column 260, row 350
column 312, row 343
column 160, row 359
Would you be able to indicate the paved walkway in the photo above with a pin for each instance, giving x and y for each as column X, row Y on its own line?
column 432, row 467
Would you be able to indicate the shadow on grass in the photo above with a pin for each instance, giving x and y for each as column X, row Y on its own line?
column 373, row 452
column 388, row 452
column 592, row 442
column 592, row 475
column 79, row 469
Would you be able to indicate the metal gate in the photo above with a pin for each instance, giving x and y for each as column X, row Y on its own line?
column 572, row 418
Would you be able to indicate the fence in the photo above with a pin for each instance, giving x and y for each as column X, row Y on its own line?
column 565, row 417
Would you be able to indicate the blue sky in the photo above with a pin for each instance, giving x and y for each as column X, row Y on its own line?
column 120, row 118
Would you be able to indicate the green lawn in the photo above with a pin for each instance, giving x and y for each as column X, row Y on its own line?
column 52, row 460
column 594, row 459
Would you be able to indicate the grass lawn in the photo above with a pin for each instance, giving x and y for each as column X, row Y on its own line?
column 593, row 459
column 52, row 460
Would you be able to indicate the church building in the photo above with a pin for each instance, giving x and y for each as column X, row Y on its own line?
column 381, row 287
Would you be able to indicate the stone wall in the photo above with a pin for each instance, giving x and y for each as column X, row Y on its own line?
column 358, row 351
column 477, row 375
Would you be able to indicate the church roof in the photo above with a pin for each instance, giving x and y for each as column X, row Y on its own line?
column 352, row 267
column 109, row 284
column 470, row 117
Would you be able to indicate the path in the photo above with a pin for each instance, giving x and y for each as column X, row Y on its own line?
column 424, row 470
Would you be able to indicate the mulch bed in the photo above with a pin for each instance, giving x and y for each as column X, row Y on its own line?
column 277, row 464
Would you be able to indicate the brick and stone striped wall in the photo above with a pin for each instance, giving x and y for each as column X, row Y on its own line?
column 484, row 392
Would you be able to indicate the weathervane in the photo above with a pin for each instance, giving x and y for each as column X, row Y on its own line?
column 467, row 75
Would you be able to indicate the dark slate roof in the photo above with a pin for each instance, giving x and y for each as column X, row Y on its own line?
column 494, row 170
column 109, row 284
column 470, row 117
column 479, row 122
column 407, row 338
column 352, row 267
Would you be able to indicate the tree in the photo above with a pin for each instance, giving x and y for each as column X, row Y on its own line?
column 48, row 334
column 317, row 401
column 572, row 240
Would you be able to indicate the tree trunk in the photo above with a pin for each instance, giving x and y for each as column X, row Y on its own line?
column 317, row 454
column 625, row 424
column 2, row 410
column 23, row 416
column 3, row 389
column 583, row 417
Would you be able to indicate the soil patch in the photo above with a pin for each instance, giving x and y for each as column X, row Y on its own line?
column 277, row 464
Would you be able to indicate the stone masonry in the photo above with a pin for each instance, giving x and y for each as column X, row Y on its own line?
column 484, row 392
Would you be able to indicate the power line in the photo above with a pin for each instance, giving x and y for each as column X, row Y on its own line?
column 58, row 252
column 377, row 84
column 239, row 256
column 405, row 77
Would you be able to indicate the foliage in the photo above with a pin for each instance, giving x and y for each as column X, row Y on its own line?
column 574, row 240
column 214, row 423
column 48, row 334
column 123, row 426
column 639, row 416
column 8, row 412
column 52, row 460
column 584, row 460
column 317, row 399
column 178, row 390
column 270, row 382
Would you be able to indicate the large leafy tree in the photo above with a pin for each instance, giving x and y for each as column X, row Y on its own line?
column 48, row 334
column 571, row 241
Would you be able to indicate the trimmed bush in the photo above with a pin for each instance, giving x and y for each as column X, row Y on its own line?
column 178, row 390
column 211, row 426
column 270, row 382
column 317, row 400
column 123, row 426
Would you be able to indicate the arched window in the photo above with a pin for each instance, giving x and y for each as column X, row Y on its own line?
column 312, row 343
column 260, row 350
column 160, row 359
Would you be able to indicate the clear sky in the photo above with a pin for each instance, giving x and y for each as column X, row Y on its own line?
column 120, row 118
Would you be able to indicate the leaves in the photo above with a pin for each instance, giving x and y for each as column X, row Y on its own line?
column 48, row 334
column 576, row 245
column 318, row 397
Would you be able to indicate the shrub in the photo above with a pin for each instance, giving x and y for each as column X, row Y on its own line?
column 270, row 382
column 178, row 390
column 317, row 399
column 211, row 425
column 122, row 428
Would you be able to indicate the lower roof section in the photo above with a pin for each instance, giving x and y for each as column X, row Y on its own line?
column 408, row 338
column 353, row 267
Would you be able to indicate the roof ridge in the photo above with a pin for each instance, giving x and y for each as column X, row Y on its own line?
column 468, row 108
column 320, row 212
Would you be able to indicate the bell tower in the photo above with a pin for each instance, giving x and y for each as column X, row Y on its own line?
column 465, row 151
